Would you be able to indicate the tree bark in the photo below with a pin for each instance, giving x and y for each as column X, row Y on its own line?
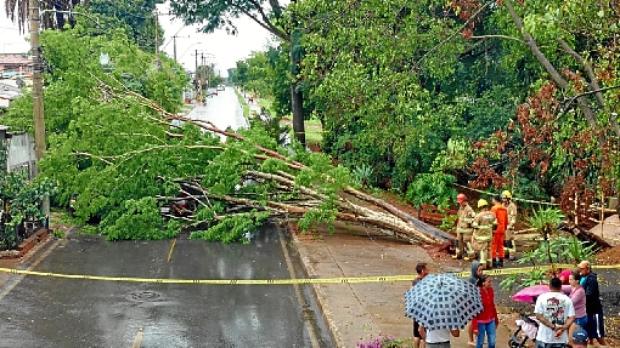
column 297, row 99
column 298, row 115
column 407, row 218
column 594, row 86
column 297, row 109
column 388, row 224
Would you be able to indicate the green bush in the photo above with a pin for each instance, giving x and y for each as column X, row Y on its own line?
column 559, row 250
column 20, row 200
column 432, row 188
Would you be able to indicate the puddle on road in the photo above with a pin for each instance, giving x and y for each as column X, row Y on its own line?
column 144, row 296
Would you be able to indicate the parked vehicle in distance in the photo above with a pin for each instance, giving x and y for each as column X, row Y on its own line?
column 221, row 88
column 9, row 74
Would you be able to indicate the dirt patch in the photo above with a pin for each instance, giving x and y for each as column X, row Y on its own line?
column 610, row 256
column 314, row 147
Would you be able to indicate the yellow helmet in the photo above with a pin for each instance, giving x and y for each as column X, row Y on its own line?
column 507, row 194
column 482, row 203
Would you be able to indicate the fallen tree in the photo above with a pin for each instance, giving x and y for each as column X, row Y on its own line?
column 248, row 179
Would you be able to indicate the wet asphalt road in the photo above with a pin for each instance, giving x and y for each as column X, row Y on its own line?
column 222, row 110
column 47, row 312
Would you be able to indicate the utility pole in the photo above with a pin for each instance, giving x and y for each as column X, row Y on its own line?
column 196, row 80
column 174, row 44
column 196, row 69
column 37, row 81
column 37, row 94
column 202, row 63
column 174, row 47
column 157, row 37
column 200, row 75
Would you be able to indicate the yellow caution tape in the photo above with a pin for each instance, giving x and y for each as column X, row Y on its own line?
column 302, row 281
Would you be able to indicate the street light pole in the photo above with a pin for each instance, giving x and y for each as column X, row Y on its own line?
column 37, row 81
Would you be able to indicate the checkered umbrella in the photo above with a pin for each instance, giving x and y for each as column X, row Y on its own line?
column 442, row 301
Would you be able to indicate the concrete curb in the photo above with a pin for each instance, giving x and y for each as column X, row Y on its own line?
column 26, row 245
column 318, row 289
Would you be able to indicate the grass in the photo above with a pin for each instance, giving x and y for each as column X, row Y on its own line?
column 62, row 217
column 267, row 104
column 244, row 105
column 314, row 131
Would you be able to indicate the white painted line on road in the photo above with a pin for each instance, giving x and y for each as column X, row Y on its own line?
column 137, row 341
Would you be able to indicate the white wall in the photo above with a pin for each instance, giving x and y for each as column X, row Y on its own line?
column 21, row 153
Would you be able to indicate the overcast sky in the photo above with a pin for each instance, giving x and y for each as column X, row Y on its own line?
column 226, row 49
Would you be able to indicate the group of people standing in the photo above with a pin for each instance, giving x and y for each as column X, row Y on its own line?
column 489, row 233
column 487, row 238
column 575, row 318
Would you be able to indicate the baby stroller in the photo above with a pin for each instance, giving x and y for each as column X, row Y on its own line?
column 527, row 327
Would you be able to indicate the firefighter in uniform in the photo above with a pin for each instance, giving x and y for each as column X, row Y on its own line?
column 512, row 220
column 463, row 225
column 483, row 225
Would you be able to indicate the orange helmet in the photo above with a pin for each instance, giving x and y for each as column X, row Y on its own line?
column 460, row 198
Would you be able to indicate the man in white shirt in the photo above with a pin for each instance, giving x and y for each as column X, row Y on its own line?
column 438, row 338
column 556, row 313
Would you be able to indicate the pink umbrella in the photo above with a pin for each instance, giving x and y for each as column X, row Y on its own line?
column 529, row 294
column 564, row 275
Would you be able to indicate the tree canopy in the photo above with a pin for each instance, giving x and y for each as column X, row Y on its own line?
column 82, row 116
column 137, row 17
column 412, row 96
column 526, row 93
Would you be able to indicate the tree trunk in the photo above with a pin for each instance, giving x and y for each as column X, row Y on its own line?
column 298, row 114
column 297, row 98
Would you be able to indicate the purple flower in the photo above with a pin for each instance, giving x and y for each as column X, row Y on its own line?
column 376, row 342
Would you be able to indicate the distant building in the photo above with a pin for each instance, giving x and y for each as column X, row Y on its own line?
column 10, row 90
column 15, row 64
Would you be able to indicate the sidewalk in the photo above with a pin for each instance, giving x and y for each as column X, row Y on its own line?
column 360, row 311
